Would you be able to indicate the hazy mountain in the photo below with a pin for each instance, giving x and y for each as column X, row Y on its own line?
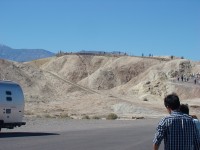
column 23, row 55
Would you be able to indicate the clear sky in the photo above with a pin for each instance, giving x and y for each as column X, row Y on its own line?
column 159, row 27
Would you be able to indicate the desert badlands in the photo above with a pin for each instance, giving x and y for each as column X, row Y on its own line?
column 76, row 86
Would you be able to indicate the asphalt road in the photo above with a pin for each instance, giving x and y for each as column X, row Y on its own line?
column 82, row 135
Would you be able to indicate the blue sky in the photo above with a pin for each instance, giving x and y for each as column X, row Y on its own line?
column 159, row 27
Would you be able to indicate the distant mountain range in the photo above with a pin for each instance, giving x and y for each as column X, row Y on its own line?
column 23, row 55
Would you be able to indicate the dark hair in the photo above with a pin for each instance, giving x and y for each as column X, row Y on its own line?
column 172, row 101
column 184, row 108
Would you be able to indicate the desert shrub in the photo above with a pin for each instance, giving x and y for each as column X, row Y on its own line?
column 64, row 115
column 111, row 116
column 48, row 116
column 96, row 117
column 195, row 106
column 86, row 117
column 145, row 99
column 137, row 117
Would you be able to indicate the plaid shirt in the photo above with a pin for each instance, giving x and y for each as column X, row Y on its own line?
column 178, row 131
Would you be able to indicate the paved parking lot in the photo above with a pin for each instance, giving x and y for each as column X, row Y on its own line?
column 51, row 134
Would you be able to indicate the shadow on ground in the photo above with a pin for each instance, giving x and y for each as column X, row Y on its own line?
column 24, row 134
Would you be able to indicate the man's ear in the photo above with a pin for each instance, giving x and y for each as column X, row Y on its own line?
column 169, row 110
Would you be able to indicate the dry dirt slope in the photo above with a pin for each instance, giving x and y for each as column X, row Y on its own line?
column 77, row 85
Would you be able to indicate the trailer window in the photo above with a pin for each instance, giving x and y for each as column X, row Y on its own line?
column 8, row 93
column 9, row 98
column 8, row 111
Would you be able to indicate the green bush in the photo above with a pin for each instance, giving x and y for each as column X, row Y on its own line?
column 111, row 116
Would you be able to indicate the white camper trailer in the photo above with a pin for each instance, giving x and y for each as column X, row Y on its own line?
column 11, row 105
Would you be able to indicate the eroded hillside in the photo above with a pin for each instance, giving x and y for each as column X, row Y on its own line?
column 78, row 85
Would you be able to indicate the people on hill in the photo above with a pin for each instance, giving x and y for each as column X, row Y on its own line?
column 189, row 78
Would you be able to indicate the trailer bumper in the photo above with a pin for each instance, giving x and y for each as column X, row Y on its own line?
column 11, row 125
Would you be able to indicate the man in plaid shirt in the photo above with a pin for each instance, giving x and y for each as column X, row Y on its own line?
column 178, row 130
